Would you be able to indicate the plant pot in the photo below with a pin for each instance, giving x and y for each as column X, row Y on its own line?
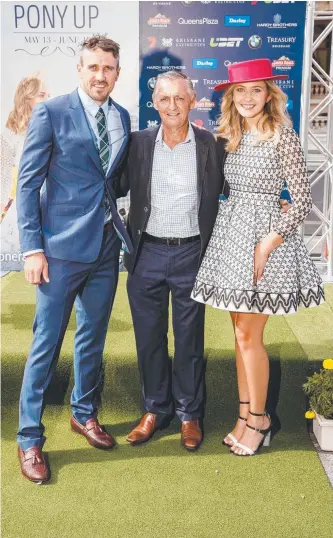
column 323, row 430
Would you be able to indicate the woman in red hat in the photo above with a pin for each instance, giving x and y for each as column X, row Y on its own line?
column 256, row 264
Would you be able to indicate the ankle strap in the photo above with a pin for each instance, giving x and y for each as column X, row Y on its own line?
column 244, row 402
column 264, row 414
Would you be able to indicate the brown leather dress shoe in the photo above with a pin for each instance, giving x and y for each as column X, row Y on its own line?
column 34, row 465
column 191, row 437
column 144, row 430
column 95, row 434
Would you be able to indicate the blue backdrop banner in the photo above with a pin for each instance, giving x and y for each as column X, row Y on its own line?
column 203, row 38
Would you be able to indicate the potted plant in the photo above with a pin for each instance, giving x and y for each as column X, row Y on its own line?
column 319, row 389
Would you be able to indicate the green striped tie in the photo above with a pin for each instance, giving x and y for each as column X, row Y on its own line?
column 104, row 150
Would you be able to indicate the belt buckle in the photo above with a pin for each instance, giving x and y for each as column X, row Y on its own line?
column 172, row 242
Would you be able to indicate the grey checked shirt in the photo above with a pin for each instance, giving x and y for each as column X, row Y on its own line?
column 174, row 194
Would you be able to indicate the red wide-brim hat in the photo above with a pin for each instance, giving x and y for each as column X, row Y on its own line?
column 250, row 71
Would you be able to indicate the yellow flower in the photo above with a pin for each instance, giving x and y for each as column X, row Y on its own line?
column 328, row 364
column 310, row 414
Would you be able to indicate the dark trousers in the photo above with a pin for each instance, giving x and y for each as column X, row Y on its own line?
column 92, row 286
column 162, row 269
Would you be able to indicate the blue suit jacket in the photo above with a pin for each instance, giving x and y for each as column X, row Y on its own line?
column 67, row 218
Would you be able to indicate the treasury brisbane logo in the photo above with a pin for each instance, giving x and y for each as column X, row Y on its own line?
column 225, row 41
column 159, row 21
column 204, row 105
column 277, row 23
column 181, row 20
column 283, row 64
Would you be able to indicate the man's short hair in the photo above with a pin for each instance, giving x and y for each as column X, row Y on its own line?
column 100, row 41
column 175, row 75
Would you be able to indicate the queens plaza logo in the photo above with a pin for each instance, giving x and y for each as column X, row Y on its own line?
column 225, row 41
column 197, row 21
column 277, row 23
column 237, row 20
column 159, row 21
column 204, row 63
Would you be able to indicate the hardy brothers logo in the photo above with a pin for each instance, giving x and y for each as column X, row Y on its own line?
column 159, row 21
column 204, row 105
column 255, row 42
column 281, row 42
column 283, row 64
column 225, row 41
column 237, row 20
column 277, row 23
column 204, row 63
column 197, row 21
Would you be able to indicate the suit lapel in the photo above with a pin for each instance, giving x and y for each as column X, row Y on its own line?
column 80, row 121
column 148, row 155
column 202, row 154
column 125, row 140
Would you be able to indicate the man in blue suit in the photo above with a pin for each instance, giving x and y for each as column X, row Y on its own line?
column 70, row 234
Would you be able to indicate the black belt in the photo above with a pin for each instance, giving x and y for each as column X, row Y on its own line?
column 170, row 241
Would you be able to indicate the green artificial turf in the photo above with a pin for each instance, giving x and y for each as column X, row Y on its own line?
column 159, row 490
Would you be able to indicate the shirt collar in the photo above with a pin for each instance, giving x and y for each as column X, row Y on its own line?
column 189, row 137
column 91, row 106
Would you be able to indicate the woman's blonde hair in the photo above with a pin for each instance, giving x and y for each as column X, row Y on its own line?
column 26, row 91
column 231, row 123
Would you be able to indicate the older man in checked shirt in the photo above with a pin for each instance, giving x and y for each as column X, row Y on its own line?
column 174, row 173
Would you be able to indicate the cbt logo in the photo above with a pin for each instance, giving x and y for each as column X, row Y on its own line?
column 204, row 63
column 226, row 41
column 237, row 20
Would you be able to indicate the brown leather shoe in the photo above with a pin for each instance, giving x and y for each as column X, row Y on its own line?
column 191, row 437
column 95, row 434
column 144, row 430
column 34, row 465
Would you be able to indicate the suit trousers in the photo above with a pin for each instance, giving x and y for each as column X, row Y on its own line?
column 92, row 287
column 162, row 270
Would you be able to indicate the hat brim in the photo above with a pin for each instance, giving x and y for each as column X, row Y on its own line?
column 225, row 85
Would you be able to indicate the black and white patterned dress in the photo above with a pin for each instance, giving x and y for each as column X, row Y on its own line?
column 256, row 174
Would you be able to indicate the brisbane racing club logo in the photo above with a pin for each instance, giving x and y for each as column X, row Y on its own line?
column 283, row 64
column 237, row 20
column 204, row 63
column 255, row 42
column 225, row 41
column 159, row 21
column 204, row 105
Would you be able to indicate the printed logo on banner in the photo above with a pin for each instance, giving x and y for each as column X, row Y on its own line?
column 159, row 21
column 281, row 42
column 152, row 123
column 225, row 41
column 204, row 63
column 204, row 105
column 283, row 64
column 166, row 66
column 181, row 20
column 228, row 62
column 190, row 42
column 149, row 104
column 151, row 83
column 187, row 3
column 211, row 83
column 277, row 18
column 237, row 20
column 255, row 42
column 152, row 41
column 161, row 3
column 288, row 84
column 275, row 2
